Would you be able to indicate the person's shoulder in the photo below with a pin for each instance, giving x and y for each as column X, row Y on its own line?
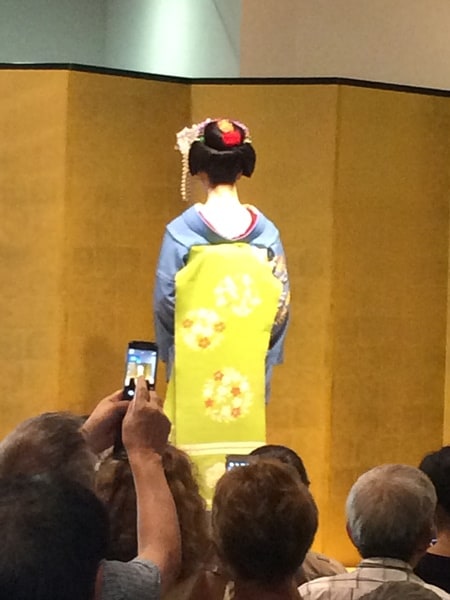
column 438, row 591
column 179, row 222
column 437, row 560
column 264, row 227
column 325, row 583
column 186, row 227
column 260, row 215
column 334, row 587
column 319, row 565
column 128, row 580
column 185, row 217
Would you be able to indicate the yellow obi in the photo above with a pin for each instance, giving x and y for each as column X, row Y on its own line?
column 226, row 303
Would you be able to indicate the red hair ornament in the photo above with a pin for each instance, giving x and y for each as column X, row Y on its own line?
column 231, row 138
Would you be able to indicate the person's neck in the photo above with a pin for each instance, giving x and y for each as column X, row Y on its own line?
column 224, row 212
column 223, row 195
column 258, row 591
column 442, row 546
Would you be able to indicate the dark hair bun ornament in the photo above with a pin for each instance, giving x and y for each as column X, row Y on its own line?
column 221, row 148
column 223, row 135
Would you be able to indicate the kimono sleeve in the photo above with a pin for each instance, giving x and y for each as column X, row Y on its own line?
column 172, row 258
column 276, row 348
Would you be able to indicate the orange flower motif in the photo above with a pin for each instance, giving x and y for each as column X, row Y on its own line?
column 219, row 326
column 188, row 323
column 227, row 395
column 204, row 342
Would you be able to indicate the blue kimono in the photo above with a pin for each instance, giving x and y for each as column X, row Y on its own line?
column 190, row 229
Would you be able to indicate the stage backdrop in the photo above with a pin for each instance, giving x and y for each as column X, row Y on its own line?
column 357, row 181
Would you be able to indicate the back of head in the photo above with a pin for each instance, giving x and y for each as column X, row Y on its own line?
column 54, row 535
column 437, row 466
column 115, row 486
column 406, row 590
column 50, row 442
column 285, row 455
column 389, row 511
column 264, row 521
column 191, row 508
column 223, row 151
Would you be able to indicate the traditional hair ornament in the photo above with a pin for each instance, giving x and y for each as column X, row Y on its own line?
column 196, row 133
column 230, row 135
column 185, row 138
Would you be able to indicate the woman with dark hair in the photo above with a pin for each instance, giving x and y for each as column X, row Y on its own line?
column 54, row 537
column 285, row 455
column 434, row 566
column 221, row 301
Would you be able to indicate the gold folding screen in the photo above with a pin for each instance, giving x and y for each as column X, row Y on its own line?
column 122, row 187
column 389, row 285
column 33, row 129
column 357, row 181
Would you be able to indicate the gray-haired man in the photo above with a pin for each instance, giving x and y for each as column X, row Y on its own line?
column 390, row 520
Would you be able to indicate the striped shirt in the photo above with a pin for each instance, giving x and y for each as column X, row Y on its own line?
column 369, row 574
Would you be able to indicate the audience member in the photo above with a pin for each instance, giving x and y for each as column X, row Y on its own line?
column 390, row 512
column 264, row 520
column 434, row 566
column 315, row 564
column 49, row 442
column 115, row 486
column 145, row 431
column 54, row 535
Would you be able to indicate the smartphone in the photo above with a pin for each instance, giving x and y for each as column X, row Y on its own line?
column 141, row 360
column 237, row 460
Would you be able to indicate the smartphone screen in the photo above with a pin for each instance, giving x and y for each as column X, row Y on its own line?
column 237, row 460
column 141, row 360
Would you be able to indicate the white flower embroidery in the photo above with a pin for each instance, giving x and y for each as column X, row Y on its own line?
column 227, row 395
column 213, row 474
column 202, row 329
column 237, row 293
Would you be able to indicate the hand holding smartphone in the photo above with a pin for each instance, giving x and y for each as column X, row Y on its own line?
column 141, row 360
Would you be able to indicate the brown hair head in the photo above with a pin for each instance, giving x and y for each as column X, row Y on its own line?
column 264, row 521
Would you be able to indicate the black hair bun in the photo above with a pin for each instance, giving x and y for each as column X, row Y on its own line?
column 223, row 153
column 223, row 135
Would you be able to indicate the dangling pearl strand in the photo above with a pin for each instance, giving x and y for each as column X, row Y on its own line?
column 184, row 187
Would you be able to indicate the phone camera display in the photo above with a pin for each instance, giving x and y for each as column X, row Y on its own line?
column 139, row 363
